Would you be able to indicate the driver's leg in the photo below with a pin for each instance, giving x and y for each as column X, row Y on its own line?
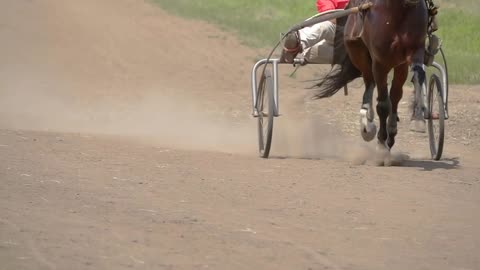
column 310, row 36
column 320, row 53
column 303, row 41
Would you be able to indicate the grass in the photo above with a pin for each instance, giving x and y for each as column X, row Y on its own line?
column 259, row 23
column 461, row 42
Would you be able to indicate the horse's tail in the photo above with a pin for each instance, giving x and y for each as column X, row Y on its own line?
column 337, row 78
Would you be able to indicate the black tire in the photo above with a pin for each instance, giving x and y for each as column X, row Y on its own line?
column 266, row 111
column 445, row 66
column 436, row 117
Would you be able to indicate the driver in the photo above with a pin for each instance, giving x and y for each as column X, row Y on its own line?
column 316, row 42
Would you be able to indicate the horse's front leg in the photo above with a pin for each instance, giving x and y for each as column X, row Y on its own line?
column 367, row 124
column 360, row 57
column 384, row 110
column 400, row 75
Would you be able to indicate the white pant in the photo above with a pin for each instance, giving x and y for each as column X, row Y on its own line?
column 318, row 42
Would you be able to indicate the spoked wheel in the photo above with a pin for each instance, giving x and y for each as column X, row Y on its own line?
column 266, row 110
column 446, row 83
column 436, row 117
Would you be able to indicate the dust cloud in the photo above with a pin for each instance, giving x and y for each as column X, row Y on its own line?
column 178, row 121
column 166, row 120
column 310, row 138
column 79, row 78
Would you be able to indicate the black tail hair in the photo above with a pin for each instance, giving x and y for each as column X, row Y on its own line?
column 336, row 79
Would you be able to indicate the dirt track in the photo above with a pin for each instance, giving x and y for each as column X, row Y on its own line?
column 126, row 142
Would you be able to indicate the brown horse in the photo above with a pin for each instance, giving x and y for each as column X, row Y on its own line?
column 389, row 36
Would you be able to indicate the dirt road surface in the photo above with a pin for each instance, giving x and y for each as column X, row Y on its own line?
column 126, row 142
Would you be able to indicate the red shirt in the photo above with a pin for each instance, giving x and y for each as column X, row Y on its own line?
column 324, row 5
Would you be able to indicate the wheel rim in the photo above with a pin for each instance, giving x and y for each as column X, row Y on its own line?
column 260, row 107
column 265, row 106
column 434, row 125
column 436, row 118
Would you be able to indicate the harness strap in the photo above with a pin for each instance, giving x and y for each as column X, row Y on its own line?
column 432, row 12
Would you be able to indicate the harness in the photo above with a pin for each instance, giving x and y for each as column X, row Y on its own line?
column 432, row 11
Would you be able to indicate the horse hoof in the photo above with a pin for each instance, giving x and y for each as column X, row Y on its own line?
column 418, row 126
column 383, row 156
column 368, row 130
column 369, row 135
column 384, row 160
column 387, row 161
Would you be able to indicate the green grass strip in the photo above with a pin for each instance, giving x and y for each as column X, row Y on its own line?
column 259, row 23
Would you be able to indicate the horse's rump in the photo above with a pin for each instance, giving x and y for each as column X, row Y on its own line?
column 355, row 22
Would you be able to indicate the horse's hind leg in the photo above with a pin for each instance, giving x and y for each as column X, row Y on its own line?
column 400, row 75
column 360, row 57
column 418, row 119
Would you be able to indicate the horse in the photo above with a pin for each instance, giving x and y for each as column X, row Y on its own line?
column 390, row 35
